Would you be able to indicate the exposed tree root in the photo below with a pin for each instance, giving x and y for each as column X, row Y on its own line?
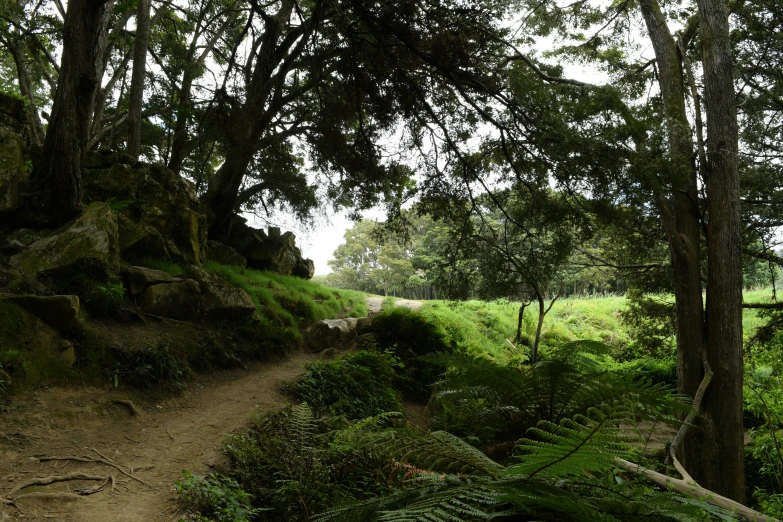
column 128, row 404
column 102, row 460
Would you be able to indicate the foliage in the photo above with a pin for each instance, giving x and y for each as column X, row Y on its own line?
column 567, row 384
column 105, row 298
column 156, row 368
column 408, row 335
column 356, row 385
column 563, row 471
column 650, row 319
column 215, row 498
column 295, row 464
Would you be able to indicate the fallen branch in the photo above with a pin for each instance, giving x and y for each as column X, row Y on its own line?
column 693, row 490
column 95, row 461
column 705, row 382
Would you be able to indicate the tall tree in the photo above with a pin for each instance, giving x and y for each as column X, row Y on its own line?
column 136, row 93
column 56, row 179
column 723, row 402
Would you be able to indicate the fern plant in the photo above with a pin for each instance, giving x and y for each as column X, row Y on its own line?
column 571, row 382
column 565, row 473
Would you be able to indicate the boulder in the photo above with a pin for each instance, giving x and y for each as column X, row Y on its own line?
column 152, row 197
column 59, row 311
column 224, row 254
column 220, row 298
column 271, row 251
column 140, row 241
column 331, row 333
column 179, row 300
column 138, row 279
column 13, row 170
column 12, row 113
column 88, row 245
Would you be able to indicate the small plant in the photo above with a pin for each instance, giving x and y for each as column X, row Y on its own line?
column 105, row 298
column 356, row 385
column 216, row 498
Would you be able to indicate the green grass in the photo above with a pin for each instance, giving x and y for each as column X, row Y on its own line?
column 292, row 302
column 482, row 327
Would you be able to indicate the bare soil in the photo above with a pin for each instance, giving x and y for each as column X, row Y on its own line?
column 155, row 446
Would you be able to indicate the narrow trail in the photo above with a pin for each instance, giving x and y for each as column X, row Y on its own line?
column 183, row 433
column 165, row 438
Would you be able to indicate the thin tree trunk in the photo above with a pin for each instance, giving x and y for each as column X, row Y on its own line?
column 520, row 318
column 26, row 89
column 723, row 401
column 539, row 327
column 179, row 143
column 136, row 94
column 680, row 216
column 56, row 178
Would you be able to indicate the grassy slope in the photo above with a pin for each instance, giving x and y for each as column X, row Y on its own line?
column 483, row 327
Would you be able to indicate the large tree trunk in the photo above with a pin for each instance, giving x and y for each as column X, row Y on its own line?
column 136, row 95
column 223, row 193
column 680, row 216
column 723, row 401
column 56, row 178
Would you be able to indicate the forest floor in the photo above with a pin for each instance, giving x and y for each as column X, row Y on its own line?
column 144, row 453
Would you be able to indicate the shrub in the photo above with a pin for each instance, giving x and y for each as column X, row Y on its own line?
column 357, row 385
column 216, row 498
column 296, row 465
column 408, row 335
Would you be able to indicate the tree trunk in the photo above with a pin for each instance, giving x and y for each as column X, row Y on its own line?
column 680, row 216
column 56, row 179
column 136, row 94
column 180, row 141
column 26, row 90
column 222, row 195
column 723, row 401
column 520, row 318
column 539, row 327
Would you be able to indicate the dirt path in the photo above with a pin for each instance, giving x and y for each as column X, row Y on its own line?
column 182, row 433
column 165, row 438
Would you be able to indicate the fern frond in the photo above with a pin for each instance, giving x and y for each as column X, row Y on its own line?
column 437, row 451
column 586, row 443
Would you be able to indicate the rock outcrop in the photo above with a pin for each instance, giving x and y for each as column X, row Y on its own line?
column 198, row 293
column 270, row 250
column 180, row 300
column 88, row 245
column 163, row 217
column 59, row 311
column 331, row 333
column 219, row 298
column 224, row 254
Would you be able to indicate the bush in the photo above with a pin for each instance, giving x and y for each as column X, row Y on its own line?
column 357, row 385
column 408, row 335
column 296, row 465
column 216, row 498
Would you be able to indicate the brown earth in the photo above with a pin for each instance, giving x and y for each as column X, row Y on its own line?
column 182, row 433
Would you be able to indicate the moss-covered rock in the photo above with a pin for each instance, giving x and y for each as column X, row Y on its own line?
column 270, row 250
column 138, row 241
column 85, row 247
column 138, row 279
column 219, row 298
column 180, row 300
column 59, row 311
column 224, row 254
column 153, row 198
